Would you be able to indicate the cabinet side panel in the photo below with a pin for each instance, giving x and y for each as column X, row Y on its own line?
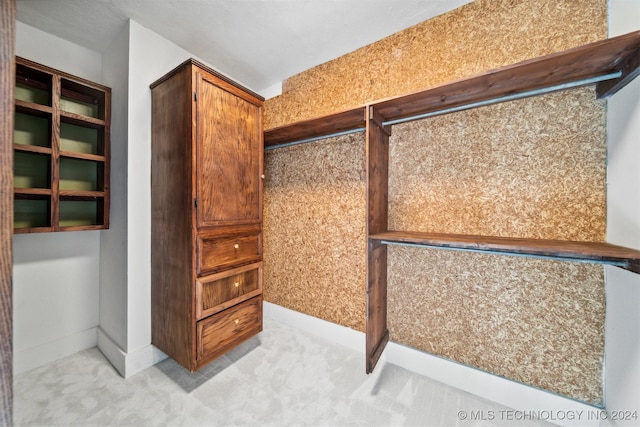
column 7, row 84
column 377, row 217
column 171, row 207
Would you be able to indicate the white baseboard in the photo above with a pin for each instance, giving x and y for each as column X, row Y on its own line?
column 526, row 401
column 128, row 364
column 30, row 358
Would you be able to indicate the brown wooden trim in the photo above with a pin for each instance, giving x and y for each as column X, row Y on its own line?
column 209, row 70
column 7, row 85
column 82, row 156
column 629, row 66
column 32, row 149
column 29, row 107
column 81, row 120
column 378, row 120
column 66, row 76
column 54, row 214
column 573, row 65
column 319, row 127
column 377, row 153
column 595, row 252
column 377, row 334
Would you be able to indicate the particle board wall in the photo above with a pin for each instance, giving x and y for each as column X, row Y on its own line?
column 530, row 168
column 533, row 168
column 314, row 229
column 480, row 36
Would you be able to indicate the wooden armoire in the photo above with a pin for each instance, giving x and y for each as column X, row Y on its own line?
column 206, row 219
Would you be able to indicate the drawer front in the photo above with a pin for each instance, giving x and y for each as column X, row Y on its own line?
column 218, row 252
column 219, row 291
column 223, row 331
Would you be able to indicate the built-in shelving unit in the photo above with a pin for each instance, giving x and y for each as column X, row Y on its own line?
column 61, row 151
column 608, row 64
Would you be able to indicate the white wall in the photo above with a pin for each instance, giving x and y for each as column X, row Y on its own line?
column 112, row 333
column 55, row 275
column 622, row 334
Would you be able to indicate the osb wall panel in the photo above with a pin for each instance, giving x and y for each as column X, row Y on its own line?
column 480, row 36
column 536, row 321
column 533, row 168
column 314, row 229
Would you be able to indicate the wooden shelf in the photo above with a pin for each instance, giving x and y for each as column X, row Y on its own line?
column 31, row 192
column 82, row 156
column 610, row 64
column 595, row 252
column 32, row 149
column 81, row 120
column 23, row 106
column 319, row 128
column 80, row 195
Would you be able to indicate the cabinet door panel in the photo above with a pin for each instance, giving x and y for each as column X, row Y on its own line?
column 229, row 157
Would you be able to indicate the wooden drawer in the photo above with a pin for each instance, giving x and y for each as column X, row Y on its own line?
column 222, row 290
column 218, row 252
column 219, row 333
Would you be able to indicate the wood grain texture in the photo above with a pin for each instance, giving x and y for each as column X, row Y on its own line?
column 223, row 331
column 220, row 291
column 7, row 84
column 229, row 179
column 318, row 127
column 172, row 189
column 582, row 63
column 377, row 217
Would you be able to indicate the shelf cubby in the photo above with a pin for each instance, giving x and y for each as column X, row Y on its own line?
column 32, row 85
column 32, row 211
column 32, row 129
column 61, row 151
column 80, row 212
column 80, row 175
column 31, row 170
column 81, row 139
column 82, row 100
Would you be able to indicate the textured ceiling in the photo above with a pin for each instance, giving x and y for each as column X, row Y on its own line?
column 258, row 42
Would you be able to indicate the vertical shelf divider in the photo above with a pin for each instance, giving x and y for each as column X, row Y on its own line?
column 377, row 152
column 54, row 211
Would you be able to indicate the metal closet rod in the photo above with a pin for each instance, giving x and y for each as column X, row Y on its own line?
column 622, row 264
column 315, row 138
